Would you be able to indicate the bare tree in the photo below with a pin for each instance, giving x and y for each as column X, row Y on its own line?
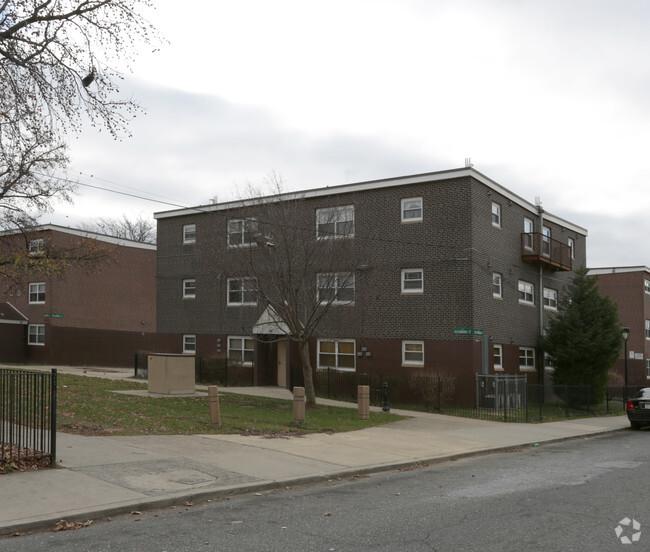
column 298, row 267
column 139, row 229
column 55, row 67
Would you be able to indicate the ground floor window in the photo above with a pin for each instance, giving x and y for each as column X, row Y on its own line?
column 241, row 349
column 498, row 357
column 339, row 354
column 36, row 334
column 647, row 368
column 189, row 344
column 413, row 353
column 526, row 358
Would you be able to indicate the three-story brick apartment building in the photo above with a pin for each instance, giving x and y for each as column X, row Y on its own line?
column 456, row 275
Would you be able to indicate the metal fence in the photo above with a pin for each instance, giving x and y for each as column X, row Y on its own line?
column 27, row 416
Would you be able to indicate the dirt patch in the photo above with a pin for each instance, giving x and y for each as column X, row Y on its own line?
column 20, row 459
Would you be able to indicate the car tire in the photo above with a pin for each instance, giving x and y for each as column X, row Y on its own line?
column 635, row 425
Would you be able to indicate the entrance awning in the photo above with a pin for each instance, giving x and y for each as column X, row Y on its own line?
column 270, row 323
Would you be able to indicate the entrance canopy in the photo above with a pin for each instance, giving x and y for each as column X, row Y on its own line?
column 270, row 323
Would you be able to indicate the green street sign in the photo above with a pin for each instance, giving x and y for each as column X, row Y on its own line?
column 478, row 332
column 50, row 315
column 462, row 331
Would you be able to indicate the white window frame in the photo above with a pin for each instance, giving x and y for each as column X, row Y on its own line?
column 37, row 247
column 571, row 243
column 529, row 229
column 189, row 344
column 335, row 284
column 497, row 353
column 404, row 280
column 496, row 214
column 242, row 350
column 243, row 230
column 550, row 299
column 647, row 329
column 647, row 368
column 646, row 285
column 36, row 335
column 189, row 288
column 528, row 290
column 338, row 355
column 243, row 290
column 546, row 241
column 529, row 356
column 497, row 281
column 412, row 353
column 37, row 289
column 412, row 209
column 189, row 233
column 337, row 216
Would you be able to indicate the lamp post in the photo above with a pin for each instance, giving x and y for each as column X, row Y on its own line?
column 626, row 335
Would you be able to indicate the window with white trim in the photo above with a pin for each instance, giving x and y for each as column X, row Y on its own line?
column 546, row 241
column 497, row 285
column 647, row 368
column 241, row 232
column 242, row 291
column 336, row 288
column 571, row 245
column 241, row 349
column 37, row 247
column 189, row 233
column 37, row 293
column 339, row 354
column 189, row 288
column 496, row 214
column 526, row 358
column 646, row 286
column 335, row 222
column 189, row 344
column 550, row 299
column 647, row 329
column 413, row 353
column 412, row 280
column 526, row 293
column 36, row 334
column 497, row 354
column 528, row 233
column 412, row 209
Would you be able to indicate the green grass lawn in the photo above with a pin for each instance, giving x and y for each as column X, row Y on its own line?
column 89, row 406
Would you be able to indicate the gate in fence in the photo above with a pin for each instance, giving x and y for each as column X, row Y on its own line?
column 27, row 416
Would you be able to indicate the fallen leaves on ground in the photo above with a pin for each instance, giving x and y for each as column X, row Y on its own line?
column 64, row 525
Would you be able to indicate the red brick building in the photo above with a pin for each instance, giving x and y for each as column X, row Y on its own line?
column 629, row 288
column 98, row 313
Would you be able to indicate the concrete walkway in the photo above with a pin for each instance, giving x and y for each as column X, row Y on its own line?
column 100, row 476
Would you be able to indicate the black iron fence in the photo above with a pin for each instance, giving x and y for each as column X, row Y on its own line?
column 27, row 417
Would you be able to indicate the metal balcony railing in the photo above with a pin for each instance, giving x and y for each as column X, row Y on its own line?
column 541, row 249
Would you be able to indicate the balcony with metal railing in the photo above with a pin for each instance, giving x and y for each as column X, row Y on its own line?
column 542, row 249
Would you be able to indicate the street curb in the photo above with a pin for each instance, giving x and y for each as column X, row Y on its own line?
column 45, row 524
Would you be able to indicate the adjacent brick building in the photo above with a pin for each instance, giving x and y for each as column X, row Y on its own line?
column 629, row 288
column 98, row 313
column 457, row 276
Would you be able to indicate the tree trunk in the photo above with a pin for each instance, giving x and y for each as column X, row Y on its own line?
column 310, row 394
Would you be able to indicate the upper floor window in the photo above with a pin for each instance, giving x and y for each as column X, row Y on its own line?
column 37, row 247
column 412, row 209
column 241, row 349
column 413, row 353
column 497, row 354
column 189, row 344
column 496, row 214
column 189, row 289
column 36, row 334
column 550, row 299
column 526, row 358
column 336, row 288
column 646, row 286
column 647, row 329
column 526, row 293
column 241, row 232
column 497, row 285
column 571, row 245
column 412, row 280
column 189, row 233
column 242, row 291
column 335, row 222
column 339, row 354
column 528, row 233
column 546, row 241
column 37, row 293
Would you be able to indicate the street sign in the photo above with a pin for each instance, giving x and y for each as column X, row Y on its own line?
column 51, row 315
column 468, row 331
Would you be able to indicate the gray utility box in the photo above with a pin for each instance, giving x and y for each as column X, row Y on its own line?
column 171, row 374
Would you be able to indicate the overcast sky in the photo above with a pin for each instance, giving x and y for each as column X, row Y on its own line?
column 549, row 98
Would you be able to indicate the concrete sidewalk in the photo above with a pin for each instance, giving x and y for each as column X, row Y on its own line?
column 100, row 476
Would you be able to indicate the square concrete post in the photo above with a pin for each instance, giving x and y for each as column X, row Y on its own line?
column 213, row 399
column 363, row 398
column 298, row 404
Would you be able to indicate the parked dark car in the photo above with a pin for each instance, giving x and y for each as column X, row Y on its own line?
column 638, row 409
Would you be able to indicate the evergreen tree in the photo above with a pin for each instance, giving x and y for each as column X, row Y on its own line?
column 584, row 339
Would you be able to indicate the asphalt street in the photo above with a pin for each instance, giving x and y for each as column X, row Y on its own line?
column 587, row 494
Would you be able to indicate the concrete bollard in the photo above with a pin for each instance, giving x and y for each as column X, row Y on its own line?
column 298, row 404
column 213, row 399
column 363, row 398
